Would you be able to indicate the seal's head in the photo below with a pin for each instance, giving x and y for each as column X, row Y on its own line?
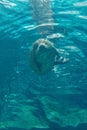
column 42, row 55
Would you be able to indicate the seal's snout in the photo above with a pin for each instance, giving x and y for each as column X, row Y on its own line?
column 42, row 47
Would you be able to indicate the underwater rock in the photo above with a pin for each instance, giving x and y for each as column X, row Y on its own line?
column 23, row 119
column 64, row 112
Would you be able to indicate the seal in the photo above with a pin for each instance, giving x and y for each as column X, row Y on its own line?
column 44, row 56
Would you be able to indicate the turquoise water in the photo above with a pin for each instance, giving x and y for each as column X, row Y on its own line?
column 58, row 99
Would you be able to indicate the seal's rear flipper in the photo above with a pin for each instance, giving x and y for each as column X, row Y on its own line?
column 60, row 60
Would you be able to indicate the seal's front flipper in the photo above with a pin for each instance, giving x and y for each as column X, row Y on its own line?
column 60, row 60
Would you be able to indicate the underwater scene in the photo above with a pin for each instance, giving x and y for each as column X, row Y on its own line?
column 43, row 64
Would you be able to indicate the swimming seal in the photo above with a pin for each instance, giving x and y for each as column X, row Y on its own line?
column 43, row 56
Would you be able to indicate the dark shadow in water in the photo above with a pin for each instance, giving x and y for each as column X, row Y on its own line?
column 54, row 126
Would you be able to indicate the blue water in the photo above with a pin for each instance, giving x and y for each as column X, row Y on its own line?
column 58, row 99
